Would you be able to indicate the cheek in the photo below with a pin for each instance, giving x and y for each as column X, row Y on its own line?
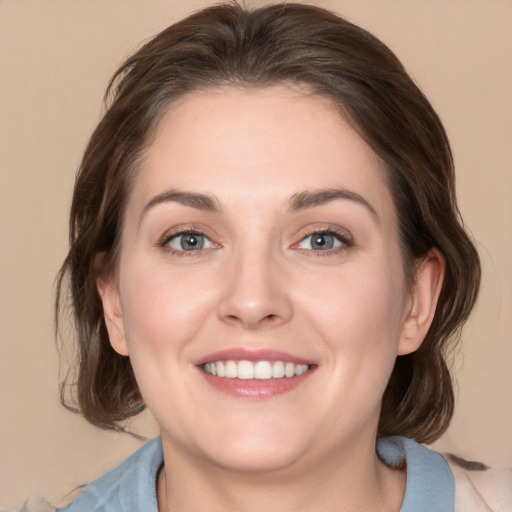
column 161, row 308
column 163, row 316
column 360, row 302
column 360, row 318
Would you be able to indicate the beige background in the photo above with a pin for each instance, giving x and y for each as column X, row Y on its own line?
column 55, row 59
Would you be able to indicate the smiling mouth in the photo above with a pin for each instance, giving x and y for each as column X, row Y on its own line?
column 258, row 370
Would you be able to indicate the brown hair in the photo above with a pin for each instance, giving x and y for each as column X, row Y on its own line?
column 291, row 43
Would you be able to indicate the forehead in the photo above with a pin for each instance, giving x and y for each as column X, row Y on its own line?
column 237, row 141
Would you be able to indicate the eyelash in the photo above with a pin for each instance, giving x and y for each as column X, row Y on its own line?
column 343, row 238
column 165, row 241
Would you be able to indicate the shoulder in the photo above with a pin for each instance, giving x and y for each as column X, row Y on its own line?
column 128, row 487
column 430, row 484
column 448, row 481
column 479, row 488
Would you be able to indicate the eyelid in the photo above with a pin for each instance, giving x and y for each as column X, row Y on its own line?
column 336, row 242
column 177, row 236
column 177, row 231
column 343, row 236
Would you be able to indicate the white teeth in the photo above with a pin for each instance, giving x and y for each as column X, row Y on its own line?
column 278, row 370
column 289, row 370
column 245, row 370
column 263, row 370
column 231, row 369
column 301, row 370
column 260, row 370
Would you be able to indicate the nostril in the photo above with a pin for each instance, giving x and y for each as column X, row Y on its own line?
column 255, row 312
column 253, row 322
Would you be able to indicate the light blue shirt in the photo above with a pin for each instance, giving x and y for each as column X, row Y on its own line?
column 131, row 486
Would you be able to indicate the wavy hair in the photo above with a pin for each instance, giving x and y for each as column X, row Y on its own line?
column 331, row 57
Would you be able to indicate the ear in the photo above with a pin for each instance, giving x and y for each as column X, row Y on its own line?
column 422, row 302
column 112, row 313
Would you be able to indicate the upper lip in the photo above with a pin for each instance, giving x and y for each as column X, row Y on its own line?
column 243, row 354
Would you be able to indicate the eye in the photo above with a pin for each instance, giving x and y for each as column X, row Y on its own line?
column 189, row 241
column 322, row 241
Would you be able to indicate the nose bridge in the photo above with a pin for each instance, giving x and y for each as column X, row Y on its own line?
column 254, row 294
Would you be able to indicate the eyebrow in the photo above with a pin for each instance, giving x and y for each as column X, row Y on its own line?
column 195, row 200
column 299, row 201
column 312, row 199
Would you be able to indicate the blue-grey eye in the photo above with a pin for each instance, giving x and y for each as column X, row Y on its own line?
column 320, row 242
column 189, row 242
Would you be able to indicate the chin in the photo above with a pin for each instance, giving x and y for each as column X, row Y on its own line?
column 257, row 458
column 249, row 449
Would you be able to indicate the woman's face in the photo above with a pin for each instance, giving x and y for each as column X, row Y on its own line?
column 260, row 239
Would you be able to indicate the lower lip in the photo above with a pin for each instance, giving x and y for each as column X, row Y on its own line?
column 256, row 388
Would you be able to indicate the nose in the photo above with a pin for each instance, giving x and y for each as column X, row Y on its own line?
column 254, row 295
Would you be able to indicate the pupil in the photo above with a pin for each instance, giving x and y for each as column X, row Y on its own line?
column 322, row 242
column 191, row 241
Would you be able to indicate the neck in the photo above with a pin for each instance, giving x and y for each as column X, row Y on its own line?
column 343, row 482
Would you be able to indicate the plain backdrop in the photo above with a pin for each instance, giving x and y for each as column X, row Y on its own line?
column 56, row 57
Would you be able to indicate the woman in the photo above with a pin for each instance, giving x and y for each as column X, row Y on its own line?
column 266, row 251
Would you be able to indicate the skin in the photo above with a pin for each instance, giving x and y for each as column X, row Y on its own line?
column 260, row 284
